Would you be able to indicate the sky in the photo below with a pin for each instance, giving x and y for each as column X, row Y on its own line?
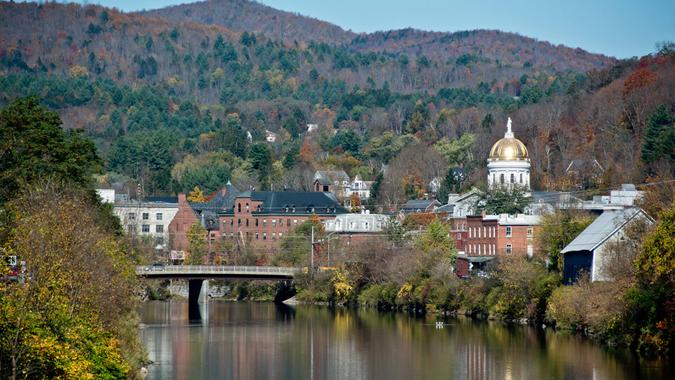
column 619, row 28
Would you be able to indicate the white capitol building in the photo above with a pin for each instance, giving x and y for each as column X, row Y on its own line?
column 509, row 162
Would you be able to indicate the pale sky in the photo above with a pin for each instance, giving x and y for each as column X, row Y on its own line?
column 619, row 28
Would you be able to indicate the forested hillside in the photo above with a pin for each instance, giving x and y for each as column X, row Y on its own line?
column 471, row 49
column 175, row 104
column 250, row 16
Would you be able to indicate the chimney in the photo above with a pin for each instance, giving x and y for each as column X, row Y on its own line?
column 182, row 199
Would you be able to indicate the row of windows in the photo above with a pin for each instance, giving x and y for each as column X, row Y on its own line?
column 145, row 228
column 475, row 232
column 258, row 235
column 489, row 232
column 275, row 222
column 502, row 179
column 288, row 209
column 487, row 249
column 145, row 216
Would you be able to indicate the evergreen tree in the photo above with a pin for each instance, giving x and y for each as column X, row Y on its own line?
column 33, row 146
column 659, row 139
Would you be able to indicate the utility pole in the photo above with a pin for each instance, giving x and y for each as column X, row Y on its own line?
column 312, row 252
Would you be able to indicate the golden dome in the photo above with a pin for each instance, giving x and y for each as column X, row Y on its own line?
column 509, row 148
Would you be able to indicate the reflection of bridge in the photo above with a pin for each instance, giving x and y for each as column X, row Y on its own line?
column 196, row 274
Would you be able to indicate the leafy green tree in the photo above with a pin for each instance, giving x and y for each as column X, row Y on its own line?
column 196, row 236
column 504, row 200
column 295, row 247
column 457, row 152
column 436, row 240
column 346, row 141
column 557, row 230
column 33, row 146
column 650, row 301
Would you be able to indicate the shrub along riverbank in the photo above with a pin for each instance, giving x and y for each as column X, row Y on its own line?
column 635, row 310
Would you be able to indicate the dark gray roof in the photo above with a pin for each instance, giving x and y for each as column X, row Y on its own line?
column 602, row 228
column 161, row 199
column 449, row 208
column 418, row 204
column 208, row 211
column 304, row 202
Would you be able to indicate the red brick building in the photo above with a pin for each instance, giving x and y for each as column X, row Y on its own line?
column 493, row 236
column 262, row 218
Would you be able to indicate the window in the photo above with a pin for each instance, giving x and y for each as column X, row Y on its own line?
column 159, row 228
column 256, row 222
column 508, row 231
column 508, row 249
column 145, row 228
column 246, row 222
column 288, row 222
column 158, row 216
column 494, row 250
column 521, row 177
column 146, row 215
column 238, row 207
column 274, row 236
column 513, row 178
column 530, row 232
column 239, row 222
column 264, row 222
column 501, row 178
column 274, row 222
column 264, row 235
column 295, row 222
column 132, row 216
column 247, row 209
column 281, row 234
column 131, row 229
column 470, row 232
column 257, row 236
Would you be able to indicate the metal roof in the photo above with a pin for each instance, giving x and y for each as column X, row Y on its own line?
column 602, row 228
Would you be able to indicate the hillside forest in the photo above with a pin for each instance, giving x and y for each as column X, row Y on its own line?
column 174, row 100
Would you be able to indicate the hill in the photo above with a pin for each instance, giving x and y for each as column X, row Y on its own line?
column 464, row 46
column 250, row 16
column 175, row 104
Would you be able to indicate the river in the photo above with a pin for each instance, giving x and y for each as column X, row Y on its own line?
column 241, row 340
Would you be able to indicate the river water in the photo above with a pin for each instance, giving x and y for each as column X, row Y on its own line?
column 239, row 340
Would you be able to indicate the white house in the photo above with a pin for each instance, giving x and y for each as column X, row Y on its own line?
column 270, row 136
column 106, row 195
column 147, row 219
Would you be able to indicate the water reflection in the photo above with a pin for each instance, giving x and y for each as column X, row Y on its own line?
column 256, row 340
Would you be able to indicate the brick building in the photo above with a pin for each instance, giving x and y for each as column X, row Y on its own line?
column 262, row 218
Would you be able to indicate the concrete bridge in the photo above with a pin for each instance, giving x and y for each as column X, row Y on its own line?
column 196, row 274
column 205, row 272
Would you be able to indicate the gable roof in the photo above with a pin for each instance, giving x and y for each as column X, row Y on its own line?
column 419, row 204
column 602, row 228
column 331, row 175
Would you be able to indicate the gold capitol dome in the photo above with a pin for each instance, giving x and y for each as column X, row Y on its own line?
column 509, row 148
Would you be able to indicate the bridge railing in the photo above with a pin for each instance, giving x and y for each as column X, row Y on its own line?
column 214, row 269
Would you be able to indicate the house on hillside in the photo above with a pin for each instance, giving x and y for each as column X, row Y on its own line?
column 589, row 253
column 415, row 206
column 331, row 181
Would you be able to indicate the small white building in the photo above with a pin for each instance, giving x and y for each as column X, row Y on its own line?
column 357, row 223
column 147, row 219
